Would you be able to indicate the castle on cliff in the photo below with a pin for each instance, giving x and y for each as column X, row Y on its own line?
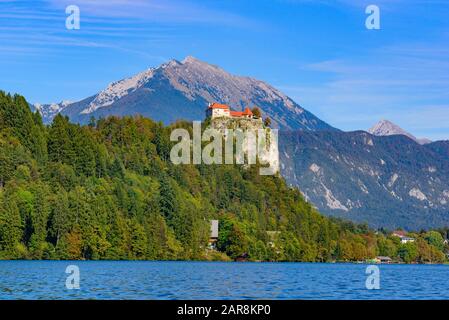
column 217, row 110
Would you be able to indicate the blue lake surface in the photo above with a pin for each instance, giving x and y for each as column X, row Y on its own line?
column 219, row 280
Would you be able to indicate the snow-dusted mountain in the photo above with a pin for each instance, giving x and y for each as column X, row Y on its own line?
column 49, row 111
column 182, row 90
column 388, row 128
column 117, row 90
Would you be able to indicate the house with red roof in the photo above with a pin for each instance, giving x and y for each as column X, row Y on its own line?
column 399, row 233
column 403, row 236
column 216, row 110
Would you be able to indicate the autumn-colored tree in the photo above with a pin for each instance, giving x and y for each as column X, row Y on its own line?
column 267, row 122
column 74, row 244
column 256, row 112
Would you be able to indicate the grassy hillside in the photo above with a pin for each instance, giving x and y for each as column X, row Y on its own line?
column 108, row 191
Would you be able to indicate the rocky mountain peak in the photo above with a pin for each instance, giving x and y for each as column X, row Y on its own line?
column 388, row 128
column 182, row 89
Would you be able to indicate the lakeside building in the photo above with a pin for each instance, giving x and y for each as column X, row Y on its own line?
column 403, row 236
column 383, row 259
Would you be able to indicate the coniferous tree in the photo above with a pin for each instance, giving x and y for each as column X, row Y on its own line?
column 167, row 201
column 256, row 112
column 11, row 228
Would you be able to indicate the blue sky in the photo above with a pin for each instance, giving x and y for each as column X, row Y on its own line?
column 318, row 52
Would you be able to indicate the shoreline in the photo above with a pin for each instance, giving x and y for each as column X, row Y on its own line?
column 218, row 261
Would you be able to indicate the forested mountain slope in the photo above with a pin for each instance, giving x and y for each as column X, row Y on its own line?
column 109, row 191
column 388, row 182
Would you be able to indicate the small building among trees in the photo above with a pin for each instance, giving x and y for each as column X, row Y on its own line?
column 213, row 238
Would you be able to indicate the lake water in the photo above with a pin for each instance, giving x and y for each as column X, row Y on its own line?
column 216, row 280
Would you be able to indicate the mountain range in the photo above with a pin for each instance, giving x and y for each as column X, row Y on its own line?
column 384, row 176
column 389, row 181
column 181, row 90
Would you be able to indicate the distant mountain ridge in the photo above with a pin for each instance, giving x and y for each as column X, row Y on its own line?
column 181, row 90
column 386, row 181
column 49, row 111
column 388, row 128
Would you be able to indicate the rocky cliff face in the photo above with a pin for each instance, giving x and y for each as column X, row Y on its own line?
column 264, row 146
column 223, row 123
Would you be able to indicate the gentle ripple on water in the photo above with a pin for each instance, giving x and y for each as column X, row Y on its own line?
column 217, row 280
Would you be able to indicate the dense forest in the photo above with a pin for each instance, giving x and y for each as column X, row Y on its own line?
column 108, row 190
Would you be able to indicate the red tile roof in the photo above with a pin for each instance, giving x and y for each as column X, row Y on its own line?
column 236, row 113
column 247, row 111
column 400, row 233
column 218, row 106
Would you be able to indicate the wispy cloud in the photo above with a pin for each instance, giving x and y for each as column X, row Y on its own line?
column 40, row 30
column 170, row 11
column 114, row 24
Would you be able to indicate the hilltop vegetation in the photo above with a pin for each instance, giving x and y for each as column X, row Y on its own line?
column 108, row 190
